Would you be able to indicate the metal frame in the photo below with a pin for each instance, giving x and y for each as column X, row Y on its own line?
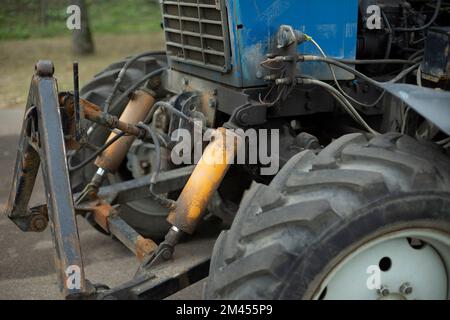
column 137, row 189
column 42, row 142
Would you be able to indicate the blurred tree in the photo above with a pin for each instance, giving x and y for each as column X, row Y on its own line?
column 82, row 38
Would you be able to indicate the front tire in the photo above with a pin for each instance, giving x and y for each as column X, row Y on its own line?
column 325, row 220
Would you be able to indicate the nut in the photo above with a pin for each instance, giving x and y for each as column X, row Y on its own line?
column 384, row 291
column 38, row 223
column 406, row 288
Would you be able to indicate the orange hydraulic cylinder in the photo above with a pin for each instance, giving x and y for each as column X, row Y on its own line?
column 204, row 181
column 136, row 111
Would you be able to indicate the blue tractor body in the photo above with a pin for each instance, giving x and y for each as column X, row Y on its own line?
column 225, row 40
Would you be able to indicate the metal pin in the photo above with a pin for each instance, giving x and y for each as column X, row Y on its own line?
column 76, row 101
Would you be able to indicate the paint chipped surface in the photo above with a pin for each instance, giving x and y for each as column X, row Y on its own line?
column 261, row 19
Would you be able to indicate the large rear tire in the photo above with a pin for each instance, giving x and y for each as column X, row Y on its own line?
column 328, row 220
column 146, row 216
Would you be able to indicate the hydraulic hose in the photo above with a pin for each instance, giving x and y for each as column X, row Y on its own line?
column 96, row 153
column 136, row 85
column 346, row 95
column 427, row 25
column 376, row 61
column 122, row 73
column 341, row 99
column 341, row 65
column 157, row 169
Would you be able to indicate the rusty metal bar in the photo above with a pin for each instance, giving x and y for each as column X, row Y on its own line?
column 26, row 170
column 107, row 217
column 93, row 113
column 43, row 138
column 139, row 245
column 76, row 99
column 137, row 189
column 58, row 191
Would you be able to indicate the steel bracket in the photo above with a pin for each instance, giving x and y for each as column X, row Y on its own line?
column 42, row 145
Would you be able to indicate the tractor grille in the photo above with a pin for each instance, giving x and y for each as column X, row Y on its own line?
column 197, row 33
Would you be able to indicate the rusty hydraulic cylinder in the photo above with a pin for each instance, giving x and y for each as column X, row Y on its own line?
column 94, row 113
column 136, row 111
column 205, row 180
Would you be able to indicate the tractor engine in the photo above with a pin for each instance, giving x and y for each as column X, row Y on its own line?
column 216, row 52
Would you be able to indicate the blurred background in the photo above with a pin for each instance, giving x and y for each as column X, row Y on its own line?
column 36, row 29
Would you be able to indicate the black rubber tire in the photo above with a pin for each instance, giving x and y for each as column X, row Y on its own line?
column 146, row 216
column 288, row 236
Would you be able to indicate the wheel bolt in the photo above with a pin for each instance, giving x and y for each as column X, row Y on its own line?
column 406, row 288
column 383, row 291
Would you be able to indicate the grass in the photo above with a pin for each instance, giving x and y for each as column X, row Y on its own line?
column 120, row 28
column 17, row 59
column 106, row 16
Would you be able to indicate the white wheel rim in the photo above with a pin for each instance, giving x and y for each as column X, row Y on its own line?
column 393, row 268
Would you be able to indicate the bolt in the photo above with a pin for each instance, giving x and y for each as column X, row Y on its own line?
column 383, row 291
column 166, row 254
column 39, row 223
column 185, row 81
column 245, row 117
column 406, row 288
column 212, row 103
column 296, row 125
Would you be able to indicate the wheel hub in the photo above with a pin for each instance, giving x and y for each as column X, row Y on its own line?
column 404, row 266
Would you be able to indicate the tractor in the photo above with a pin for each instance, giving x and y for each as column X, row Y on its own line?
column 278, row 149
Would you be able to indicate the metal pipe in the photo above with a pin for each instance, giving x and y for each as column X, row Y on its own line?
column 93, row 113
column 139, row 245
column 109, row 220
